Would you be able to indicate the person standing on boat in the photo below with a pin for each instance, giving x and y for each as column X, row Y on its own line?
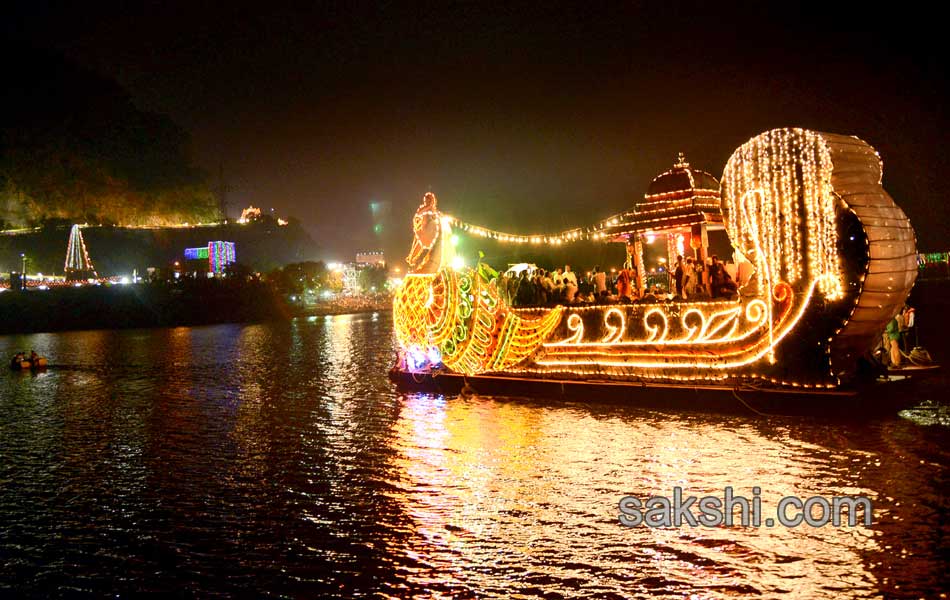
column 540, row 298
column 558, row 277
column 679, row 276
column 624, row 289
column 699, row 289
column 689, row 278
column 547, row 284
column 600, row 282
column 570, row 284
column 907, row 323
column 501, row 284
column 893, row 335
column 715, row 277
column 514, row 281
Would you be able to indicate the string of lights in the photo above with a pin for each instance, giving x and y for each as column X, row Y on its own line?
column 575, row 234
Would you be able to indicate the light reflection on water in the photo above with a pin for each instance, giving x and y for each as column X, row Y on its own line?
column 277, row 459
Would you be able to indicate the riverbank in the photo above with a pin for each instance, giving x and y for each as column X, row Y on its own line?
column 141, row 305
column 200, row 302
column 162, row 305
column 120, row 250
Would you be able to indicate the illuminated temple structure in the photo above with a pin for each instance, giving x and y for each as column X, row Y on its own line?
column 681, row 206
column 832, row 257
column 78, row 265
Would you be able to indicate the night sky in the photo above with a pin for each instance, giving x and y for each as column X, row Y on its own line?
column 526, row 118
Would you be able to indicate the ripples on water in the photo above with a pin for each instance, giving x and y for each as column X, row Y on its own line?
column 277, row 460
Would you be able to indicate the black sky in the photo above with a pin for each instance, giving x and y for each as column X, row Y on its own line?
column 520, row 117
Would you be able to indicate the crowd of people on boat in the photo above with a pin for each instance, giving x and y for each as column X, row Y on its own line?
column 690, row 280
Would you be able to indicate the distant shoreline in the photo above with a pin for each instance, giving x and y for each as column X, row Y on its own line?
column 342, row 311
column 137, row 306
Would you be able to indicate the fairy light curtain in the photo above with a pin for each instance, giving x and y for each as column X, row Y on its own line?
column 779, row 208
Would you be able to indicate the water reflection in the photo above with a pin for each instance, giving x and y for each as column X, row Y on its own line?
column 498, row 487
column 277, row 459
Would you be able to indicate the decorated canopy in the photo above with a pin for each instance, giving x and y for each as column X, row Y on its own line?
column 676, row 199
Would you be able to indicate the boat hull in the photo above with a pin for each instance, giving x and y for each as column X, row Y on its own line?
column 883, row 397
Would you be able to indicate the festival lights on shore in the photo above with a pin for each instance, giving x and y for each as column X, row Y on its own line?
column 77, row 257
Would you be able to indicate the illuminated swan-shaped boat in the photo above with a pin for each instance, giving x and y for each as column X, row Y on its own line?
column 834, row 259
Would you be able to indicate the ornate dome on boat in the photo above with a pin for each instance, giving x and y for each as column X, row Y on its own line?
column 680, row 198
column 680, row 187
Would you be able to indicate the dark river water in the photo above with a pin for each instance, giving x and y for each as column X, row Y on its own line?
column 276, row 460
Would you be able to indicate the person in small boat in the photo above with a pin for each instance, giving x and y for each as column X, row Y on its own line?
column 34, row 357
column 18, row 358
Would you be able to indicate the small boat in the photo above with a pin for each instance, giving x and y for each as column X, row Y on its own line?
column 25, row 364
